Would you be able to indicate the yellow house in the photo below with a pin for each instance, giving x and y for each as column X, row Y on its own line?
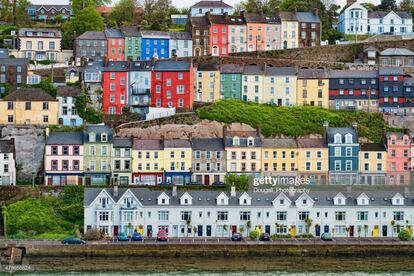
column 279, row 156
column 177, row 161
column 147, row 162
column 313, row 159
column 253, row 83
column 207, row 82
column 289, row 30
column 372, row 163
column 280, row 86
column 29, row 106
column 313, row 87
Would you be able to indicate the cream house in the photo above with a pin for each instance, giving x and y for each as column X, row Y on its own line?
column 40, row 44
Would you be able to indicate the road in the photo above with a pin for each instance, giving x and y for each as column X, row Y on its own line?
column 293, row 241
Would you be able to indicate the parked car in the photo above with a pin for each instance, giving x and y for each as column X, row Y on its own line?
column 73, row 241
column 236, row 237
column 122, row 237
column 162, row 235
column 326, row 237
column 264, row 237
column 136, row 237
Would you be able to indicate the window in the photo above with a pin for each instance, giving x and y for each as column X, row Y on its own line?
column 398, row 216
column 281, row 216
column 245, row 215
column 222, row 215
column 163, row 215
column 303, row 215
column 363, row 216
column 340, row 215
column 28, row 105
column 186, row 215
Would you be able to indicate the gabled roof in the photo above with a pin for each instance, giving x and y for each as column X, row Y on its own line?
column 397, row 52
column 113, row 33
column 236, row 20
column 311, row 143
column 308, row 17
column 254, row 18
column 213, row 4
column 253, row 70
column 122, row 142
column 207, row 67
column 391, row 71
column 199, row 21
column 98, row 130
column 65, row 138
column 243, row 142
column 177, row 143
column 49, row 7
column 30, row 95
column 208, row 144
column 147, row 144
column 170, row 65
column 382, row 14
column 287, row 16
column 130, row 31
column 231, row 69
column 313, row 74
column 372, row 147
column 280, row 71
column 68, row 91
column 343, row 131
column 218, row 19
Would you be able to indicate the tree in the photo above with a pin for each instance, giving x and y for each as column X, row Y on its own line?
column 388, row 5
column 156, row 10
column 407, row 5
column 241, row 182
column 86, row 112
column 79, row 5
column 15, row 11
column 46, row 85
column 369, row 6
column 87, row 19
column 126, row 12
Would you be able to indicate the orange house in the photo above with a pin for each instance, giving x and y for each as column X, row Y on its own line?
column 256, row 31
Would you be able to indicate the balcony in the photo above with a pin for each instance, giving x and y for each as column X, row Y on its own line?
column 140, row 91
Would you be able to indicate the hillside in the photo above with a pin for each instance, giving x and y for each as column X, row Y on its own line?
column 292, row 121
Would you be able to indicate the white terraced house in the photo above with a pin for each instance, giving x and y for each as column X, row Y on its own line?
column 219, row 214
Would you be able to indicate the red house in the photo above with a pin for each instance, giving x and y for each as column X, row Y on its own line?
column 116, row 45
column 115, row 90
column 219, row 34
column 172, row 84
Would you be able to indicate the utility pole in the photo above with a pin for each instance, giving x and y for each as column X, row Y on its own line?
column 369, row 97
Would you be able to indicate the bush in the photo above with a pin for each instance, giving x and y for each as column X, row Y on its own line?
column 280, row 236
column 404, row 235
column 92, row 234
column 254, row 235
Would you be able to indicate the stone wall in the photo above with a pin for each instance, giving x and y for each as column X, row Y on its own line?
column 30, row 147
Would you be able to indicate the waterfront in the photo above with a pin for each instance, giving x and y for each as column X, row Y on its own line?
column 219, row 265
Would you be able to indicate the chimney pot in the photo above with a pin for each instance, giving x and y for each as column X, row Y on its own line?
column 174, row 191
column 233, row 191
column 116, row 191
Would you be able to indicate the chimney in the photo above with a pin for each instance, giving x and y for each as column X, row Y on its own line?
column 242, row 13
column 47, row 131
column 233, row 191
column 174, row 191
column 325, row 129
column 105, row 61
column 406, row 191
column 316, row 11
column 116, row 191
column 350, row 2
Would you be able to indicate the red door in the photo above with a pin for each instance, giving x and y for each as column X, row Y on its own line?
column 116, row 230
column 206, row 180
column 234, row 229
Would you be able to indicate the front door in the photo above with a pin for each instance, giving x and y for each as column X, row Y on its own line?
column 384, row 231
column 317, row 230
column 392, row 29
column 200, row 231
column 149, row 230
column 206, row 180
column 234, row 229
column 115, row 230
column 267, row 229
column 175, row 231
column 208, row 230
column 326, row 228
column 375, row 232
column 351, row 231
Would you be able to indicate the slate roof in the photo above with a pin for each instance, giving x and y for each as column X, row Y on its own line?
column 113, row 33
column 116, row 66
column 98, row 129
column 313, row 74
column 155, row 34
column 14, row 61
column 49, row 7
column 272, row 19
column 4, row 53
column 311, row 143
column 7, row 145
column 130, row 31
column 57, row 32
column 169, row 65
column 309, row 17
column 243, row 142
column 68, row 91
column 147, row 144
column 280, row 71
column 149, row 197
column 199, row 21
column 122, row 142
column 287, row 16
column 236, row 20
column 254, row 18
column 177, row 143
column 253, row 70
column 141, row 65
column 208, row 144
column 399, row 135
column 382, row 14
column 279, row 143
column 65, row 138
column 343, row 131
column 397, row 52
column 30, row 95
column 207, row 4
column 180, row 35
column 93, row 35
column 218, row 19
column 372, row 147
column 231, row 69
column 391, row 71
column 207, row 67
column 339, row 74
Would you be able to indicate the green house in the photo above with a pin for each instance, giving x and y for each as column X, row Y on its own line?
column 132, row 39
column 231, row 81
column 97, row 154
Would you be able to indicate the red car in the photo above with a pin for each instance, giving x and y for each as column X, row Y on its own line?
column 162, row 235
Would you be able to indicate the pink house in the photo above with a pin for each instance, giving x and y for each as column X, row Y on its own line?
column 64, row 158
column 398, row 158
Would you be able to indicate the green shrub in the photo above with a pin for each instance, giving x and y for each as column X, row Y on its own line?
column 280, row 236
column 92, row 234
column 254, row 235
column 404, row 235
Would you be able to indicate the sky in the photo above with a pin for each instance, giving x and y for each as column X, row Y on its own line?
column 185, row 3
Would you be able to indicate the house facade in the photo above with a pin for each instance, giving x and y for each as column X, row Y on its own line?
column 310, row 29
column 154, row 45
column 213, row 7
column 177, row 162
column 313, row 159
column 29, row 106
column 199, row 27
column 313, row 87
column 139, row 86
column 68, row 114
column 398, row 158
column 391, row 92
column 256, row 31
column 373, row 164
column 231, row 81
column 280, row 86
column 115, row 90
column 237, row 35
column 218, row 34
column 13, row 73
column 91, row 46
column 40, row 43
column 207, row 81
column 97, row 154
column 116, row 45
column 121, row 161
column 253, row 83
column 180, row 44
column 7, row 162
column 132, row 42
column 290, row 30
column 147, row 162
column 91, row 79
column 63, row 160
column 396, row 57
column 280, row 157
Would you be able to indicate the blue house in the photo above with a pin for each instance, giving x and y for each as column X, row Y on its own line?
column 343, row 151
column 154, row 44
column 68, row 115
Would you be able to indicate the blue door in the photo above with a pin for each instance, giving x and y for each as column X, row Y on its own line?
column 326, row 229
column 245, row 98
column 200, row 230
column 317, row 230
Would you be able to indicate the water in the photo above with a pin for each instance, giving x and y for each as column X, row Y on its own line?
column 402, row 265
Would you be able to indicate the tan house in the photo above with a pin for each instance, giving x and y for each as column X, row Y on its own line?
column 29, row 106
column 40, row 44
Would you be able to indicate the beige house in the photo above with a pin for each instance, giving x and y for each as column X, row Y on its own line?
column 40, row 44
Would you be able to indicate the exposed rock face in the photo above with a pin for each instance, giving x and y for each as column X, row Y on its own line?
column 30, row 147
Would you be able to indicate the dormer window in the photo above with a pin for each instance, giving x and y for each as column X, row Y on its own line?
column 103, row 202
column 236, row 141
column 304, row 201
column 348, row 138
column 92, row 137
column 186, row 200
column 282, row 202
column 339, row 201
column 250, row 141
column 128, row 202
column 163, row 201
column 337, row 138
column 222, row 201
column 245, row 201
column 104, row 137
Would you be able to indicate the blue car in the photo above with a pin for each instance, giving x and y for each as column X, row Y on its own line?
column 122, row 237
column 136, row 237
column 73, row 241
